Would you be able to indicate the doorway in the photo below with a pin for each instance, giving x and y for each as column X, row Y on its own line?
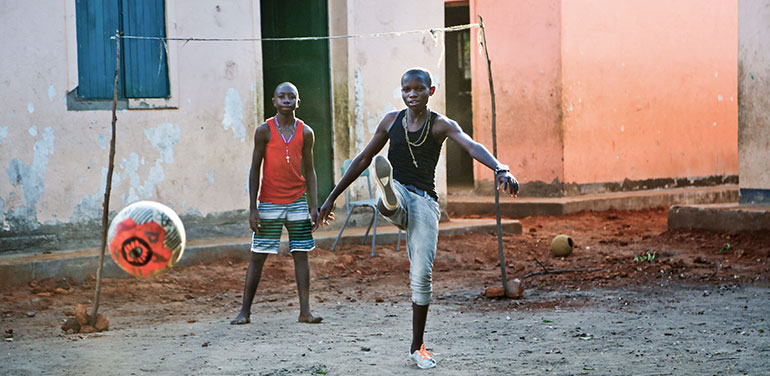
column 306, row 65
column 458, row 93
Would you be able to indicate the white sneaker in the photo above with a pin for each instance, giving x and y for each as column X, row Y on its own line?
column 384, row 178
column 422, row 358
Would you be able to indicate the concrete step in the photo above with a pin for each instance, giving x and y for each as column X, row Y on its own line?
column 636, row 200
column 728, row 218
column 21, row 268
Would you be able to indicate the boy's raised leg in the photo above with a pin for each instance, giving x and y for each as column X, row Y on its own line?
column 253, row 275
column 302, row 274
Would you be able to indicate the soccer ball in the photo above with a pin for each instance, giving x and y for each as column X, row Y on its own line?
column 146, row 238
column 562, row 245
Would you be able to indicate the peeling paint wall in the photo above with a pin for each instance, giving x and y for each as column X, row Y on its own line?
column 374, row 66
column 55, row 159
column 754, row 100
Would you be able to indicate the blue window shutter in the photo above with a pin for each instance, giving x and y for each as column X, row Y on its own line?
column 145, row 62
column 96, row 21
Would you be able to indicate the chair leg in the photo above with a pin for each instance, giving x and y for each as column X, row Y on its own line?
column 374, row 232
column 341, row 230
column 374, row 219
column 398, row 244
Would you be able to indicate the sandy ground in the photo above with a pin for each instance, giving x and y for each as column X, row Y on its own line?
column 698, row 306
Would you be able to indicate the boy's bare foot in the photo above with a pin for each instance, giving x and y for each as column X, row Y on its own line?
column 243, row 318
column 310, row 319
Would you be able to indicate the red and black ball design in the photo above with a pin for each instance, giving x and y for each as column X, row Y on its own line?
column 146, row 238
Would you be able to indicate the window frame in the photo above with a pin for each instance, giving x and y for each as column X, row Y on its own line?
column 74, row 103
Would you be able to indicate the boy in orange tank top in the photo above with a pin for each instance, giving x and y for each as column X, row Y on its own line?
column 283, row 146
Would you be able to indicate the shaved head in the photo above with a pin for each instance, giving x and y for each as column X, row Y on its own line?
column 286, row 86
column 420, row 73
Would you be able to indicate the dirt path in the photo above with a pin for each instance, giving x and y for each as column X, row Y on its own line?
column 660, row 330
column 698, row 307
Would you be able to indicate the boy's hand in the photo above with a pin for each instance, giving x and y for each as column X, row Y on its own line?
column 314, row 219
column 254, row 220
column 325, row 214
column 506, row 182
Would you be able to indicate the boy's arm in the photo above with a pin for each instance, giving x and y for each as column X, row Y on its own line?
column 311, row 181
column 261, row 137
column 360, row 163
column 504, row 180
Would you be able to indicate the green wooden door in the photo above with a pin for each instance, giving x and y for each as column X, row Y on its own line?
column 306, row 64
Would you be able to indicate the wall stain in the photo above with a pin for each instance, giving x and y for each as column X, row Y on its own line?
column 164, row 138
column 31, row 180
column 234, row 114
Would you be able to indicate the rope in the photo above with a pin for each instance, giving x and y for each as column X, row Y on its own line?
column 370, row 35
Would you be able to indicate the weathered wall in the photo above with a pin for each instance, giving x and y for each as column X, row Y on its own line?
column 193, row 157
column 754, row 100
column 649, row 89
column 375, row 65
column 602, row 95
column 523, row 39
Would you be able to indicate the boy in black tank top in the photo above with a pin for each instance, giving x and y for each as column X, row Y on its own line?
column 407, row 184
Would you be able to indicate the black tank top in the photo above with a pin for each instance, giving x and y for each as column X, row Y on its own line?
column 426, row 155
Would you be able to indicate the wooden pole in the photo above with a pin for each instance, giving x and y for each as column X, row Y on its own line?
column 108, row 186
column 494, row 152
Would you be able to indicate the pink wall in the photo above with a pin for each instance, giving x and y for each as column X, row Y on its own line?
column 649, row 89
column 600, row 91
column 523, row 39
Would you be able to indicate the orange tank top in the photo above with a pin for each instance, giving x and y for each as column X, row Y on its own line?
column 282, row 180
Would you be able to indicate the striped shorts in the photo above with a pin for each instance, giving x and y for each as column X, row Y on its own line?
column 272, row 218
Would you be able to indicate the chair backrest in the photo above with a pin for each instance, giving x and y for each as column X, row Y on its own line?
column 344, row 168
column 346, row 165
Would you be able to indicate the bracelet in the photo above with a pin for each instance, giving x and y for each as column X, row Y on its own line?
column 501, row 168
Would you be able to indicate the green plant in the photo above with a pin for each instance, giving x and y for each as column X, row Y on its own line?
column 648, row 256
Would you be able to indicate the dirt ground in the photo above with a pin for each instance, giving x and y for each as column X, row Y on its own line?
column 643, row 300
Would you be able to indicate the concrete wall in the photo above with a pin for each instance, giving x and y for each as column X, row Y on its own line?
column 649, row 90
column 523, row 39
column 754, row 101
column 367, row 82
column 192, row 155
column 604, row 95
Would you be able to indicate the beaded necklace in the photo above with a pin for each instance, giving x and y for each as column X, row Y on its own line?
column 294, row 131
column 424, row 131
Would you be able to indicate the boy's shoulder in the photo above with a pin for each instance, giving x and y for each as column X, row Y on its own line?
column 262, row 131
column 264, row 127
column 441, row 118
column 306, row 128
column 392, row 115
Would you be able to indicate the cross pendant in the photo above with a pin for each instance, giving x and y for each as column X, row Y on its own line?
column 415, row 163
column 287, row 159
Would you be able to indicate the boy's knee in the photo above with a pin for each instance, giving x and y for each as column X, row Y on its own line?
column 422, row 287
column 421, row 297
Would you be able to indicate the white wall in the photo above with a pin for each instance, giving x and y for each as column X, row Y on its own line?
column 194, row 157
column 753, row 99
column 375, row 65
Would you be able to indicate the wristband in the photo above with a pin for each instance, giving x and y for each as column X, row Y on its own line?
column 501, row 168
